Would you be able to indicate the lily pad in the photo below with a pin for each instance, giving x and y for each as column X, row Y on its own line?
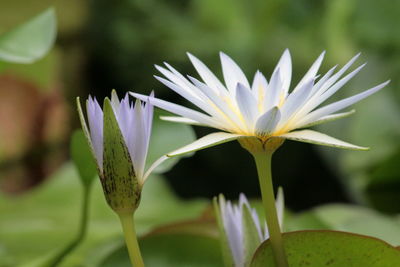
column 330, row 248
column 349, row 218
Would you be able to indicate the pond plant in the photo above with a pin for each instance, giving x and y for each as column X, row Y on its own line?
column 120, row 145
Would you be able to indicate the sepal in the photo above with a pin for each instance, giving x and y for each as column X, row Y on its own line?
column 120, row 183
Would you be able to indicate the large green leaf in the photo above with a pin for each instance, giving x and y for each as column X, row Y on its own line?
column 191, row 243
column 31, row 40
column 172, row 250
column 350, row 218
column 43, row 221
column 330, row 248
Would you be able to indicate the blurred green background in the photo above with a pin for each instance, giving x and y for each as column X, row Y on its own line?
column 102, row 45
column 123, row 40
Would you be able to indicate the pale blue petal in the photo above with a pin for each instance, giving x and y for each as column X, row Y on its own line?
column 95, row 121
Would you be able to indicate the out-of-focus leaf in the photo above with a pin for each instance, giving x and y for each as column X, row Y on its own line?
column 31, row 40
column 45, row 218
column 172, row 250
column 166, row 137
column 348, row 218
column 330, row 248
column 192, row 243
column 83, row 158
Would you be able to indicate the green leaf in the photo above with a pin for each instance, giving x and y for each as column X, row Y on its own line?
column 165, row 137
column 30, row 41
column 172, row 250
column 83, row 158
column 120, row 184
column 348, row 218
column 330, row 248
column 45, row 218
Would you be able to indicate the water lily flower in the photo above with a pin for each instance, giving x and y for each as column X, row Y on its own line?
column 119, row 138
column 260, row 115
column 262, row 109
column 241, row 230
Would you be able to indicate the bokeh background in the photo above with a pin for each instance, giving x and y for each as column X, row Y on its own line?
column 103, row 45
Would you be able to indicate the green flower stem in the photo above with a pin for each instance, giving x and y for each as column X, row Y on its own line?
column 263, row 162
column 57, row 259
column 128, row 226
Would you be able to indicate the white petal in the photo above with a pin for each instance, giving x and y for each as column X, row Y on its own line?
column 267, row 122
column 207, row 75
column 186, row 84
column 181, row 120
column 180, row 110
column 230, row 116
column 341, row 104
column 322, row 81
column 232, row 74
column 273, row 91
column 205, row 142
column 337, row 75
column 307, row 107
column 247, row 105
column 328, row 93
column 312, row 72
column 295, row 101
column 186, row 93
column 259, row 86
column 327, row 118
column 313, row 137
column 285, row 67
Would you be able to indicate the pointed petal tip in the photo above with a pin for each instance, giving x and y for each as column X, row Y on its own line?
column 159, row 68
column 224, row 56
column 286, row 51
